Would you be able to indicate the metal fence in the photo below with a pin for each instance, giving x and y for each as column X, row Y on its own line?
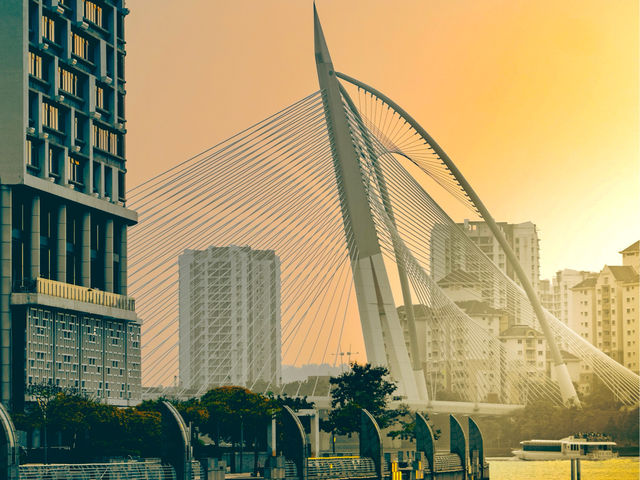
column 144, row 470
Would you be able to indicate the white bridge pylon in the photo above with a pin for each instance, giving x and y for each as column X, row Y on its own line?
column 383, row 335
column 371, row 281
column 327, row 184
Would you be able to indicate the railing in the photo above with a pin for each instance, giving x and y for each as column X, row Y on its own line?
column 78, row 293
column 147, row 470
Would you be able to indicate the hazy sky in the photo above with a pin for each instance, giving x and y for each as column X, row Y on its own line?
column 535, row 101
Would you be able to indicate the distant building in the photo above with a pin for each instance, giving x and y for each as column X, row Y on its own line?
column 492, row 320
column 526, row 349
column 229, row 317
column 442, row 346
column 523, row 240
column 559, row 299
column 65, row 318
column 605, row 312
column 455, row 268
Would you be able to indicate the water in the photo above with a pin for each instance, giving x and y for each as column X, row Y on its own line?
column 625, row 468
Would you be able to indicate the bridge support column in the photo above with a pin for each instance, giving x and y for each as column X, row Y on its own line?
column 458, row 443
column 8, row 446
column 426, row 442
column 177, row 446
column 371, row 441
column 476, row 452
column 383, row 335
column 294, row 446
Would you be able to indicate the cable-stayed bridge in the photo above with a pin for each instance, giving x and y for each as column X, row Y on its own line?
column 342, row 185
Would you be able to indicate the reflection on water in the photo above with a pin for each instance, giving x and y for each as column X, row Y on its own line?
column 625, row 468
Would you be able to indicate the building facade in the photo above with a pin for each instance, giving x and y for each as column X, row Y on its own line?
column 605, row 312
column 229, row 317
column 523, row 240
column 65, row 318
column 558, row 298
column 525, row 348
column 445, row 357
column 454, row 265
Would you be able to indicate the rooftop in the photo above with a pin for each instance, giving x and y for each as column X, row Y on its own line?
column 586, row 283
column 634, row 247
column 477, row 307
column 521, row 331
column 623, row 273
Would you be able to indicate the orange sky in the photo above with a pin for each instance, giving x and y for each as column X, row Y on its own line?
column 535, row 101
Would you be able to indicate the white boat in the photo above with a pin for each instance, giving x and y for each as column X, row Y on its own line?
column 566, row 449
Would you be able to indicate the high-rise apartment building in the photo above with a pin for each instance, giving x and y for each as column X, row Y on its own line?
column 605, row 312
column 229, row 317
column 456, row 268
column 65, row 318
column 523, row 240
column 558, row 300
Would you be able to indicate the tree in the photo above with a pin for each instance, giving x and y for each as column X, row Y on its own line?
column 364, row 386
column 233, row 412
column 294, row 403
column 44, row 393
column 407, row 425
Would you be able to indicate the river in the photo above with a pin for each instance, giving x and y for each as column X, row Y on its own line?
column 624, row 468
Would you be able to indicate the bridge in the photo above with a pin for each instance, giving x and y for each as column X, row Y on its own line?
column 342, row 186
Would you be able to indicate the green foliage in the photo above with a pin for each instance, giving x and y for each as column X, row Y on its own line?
column 92, row 430
column 407, row 425
column 230, row 408
column 364, row 386
column 294, row 403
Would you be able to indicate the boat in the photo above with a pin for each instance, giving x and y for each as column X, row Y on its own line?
column 586, row 447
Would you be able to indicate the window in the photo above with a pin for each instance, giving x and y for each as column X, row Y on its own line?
column 68, row 81
column 80, row 47
column 75, row 170
column 105, row 140
column 50, row 115
column 35, row 65
column 78, row 126
column 99, row 97
column 48, row 29
column 93, row 13
column 54, row 161
column 33, row 154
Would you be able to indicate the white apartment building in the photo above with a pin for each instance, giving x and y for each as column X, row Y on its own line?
column 605, row 312
column 445, row 354
column 229, row 317
column 455, row 267
column 556, row 294
column 525, row 348
column 522, row 238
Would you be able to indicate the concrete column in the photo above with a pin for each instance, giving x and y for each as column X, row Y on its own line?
column 85, row 250
column 5, row 295
column 123, row 260
column 108, row 255
column 61, row 248
column 35, row 237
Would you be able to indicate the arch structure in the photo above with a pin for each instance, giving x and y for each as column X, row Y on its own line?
column 388, row 233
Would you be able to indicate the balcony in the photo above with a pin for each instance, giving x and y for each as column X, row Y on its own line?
column 83, row 294
column 69, row 294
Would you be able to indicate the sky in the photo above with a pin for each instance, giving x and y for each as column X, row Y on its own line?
column 535, row 101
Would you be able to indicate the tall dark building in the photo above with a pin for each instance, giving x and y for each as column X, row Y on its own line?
column 65, row 318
